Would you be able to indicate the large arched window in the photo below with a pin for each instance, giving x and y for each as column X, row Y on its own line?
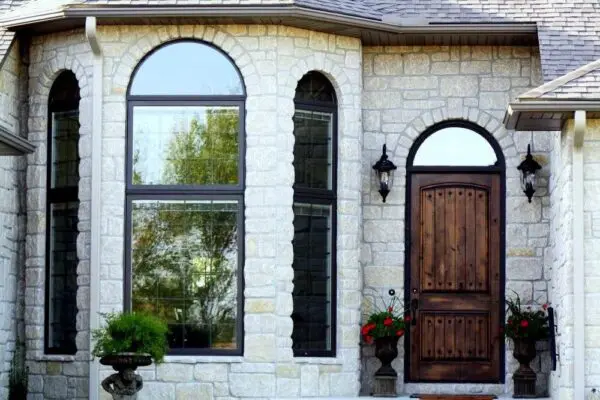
column 315, row 186
column 185, row 187
column 62, row 208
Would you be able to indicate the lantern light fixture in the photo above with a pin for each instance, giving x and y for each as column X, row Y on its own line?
column 528, row 168
column 384, row 171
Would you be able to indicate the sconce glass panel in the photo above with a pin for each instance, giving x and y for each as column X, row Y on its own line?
column 455, row 146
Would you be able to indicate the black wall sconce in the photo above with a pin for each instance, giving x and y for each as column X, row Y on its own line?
column 384, row 171
column 528, row 168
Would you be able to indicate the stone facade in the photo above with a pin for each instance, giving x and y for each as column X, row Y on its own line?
column 271, row 59
column 407, row 90
column 385, row 95
column 12, row 222
column 561, row 240
column 591, row 171
column 56, row 376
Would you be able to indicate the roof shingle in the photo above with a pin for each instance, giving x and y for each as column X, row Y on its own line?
column 569, row 31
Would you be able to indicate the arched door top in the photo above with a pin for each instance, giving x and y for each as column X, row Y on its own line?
column 456, row 143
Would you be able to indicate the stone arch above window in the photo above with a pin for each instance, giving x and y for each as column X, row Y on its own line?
column 186, row 68
column 455, row 143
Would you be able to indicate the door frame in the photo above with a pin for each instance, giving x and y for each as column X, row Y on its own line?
column 498, row 169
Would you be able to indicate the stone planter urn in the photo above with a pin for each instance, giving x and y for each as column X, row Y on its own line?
column 386, row 350
column 125, row 384
column 524, row 377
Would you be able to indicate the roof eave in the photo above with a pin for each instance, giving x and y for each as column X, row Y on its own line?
column 11, row 145
column 236, row 11
column 544, row 114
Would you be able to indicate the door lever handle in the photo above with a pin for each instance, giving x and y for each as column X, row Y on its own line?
column 414, row 306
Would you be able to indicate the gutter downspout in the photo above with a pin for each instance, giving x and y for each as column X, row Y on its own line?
column 578, row 258
column 96, row 206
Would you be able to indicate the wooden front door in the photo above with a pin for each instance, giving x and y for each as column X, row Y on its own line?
column 455, row 287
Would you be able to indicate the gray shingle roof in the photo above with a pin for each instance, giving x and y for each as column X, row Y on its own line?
column 569, row 30
column 580, row 84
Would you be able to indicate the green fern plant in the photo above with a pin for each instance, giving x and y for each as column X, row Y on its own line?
column 131, row 332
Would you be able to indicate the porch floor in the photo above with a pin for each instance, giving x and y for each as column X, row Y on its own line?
column 402, row 397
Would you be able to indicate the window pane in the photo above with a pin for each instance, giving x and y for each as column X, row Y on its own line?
column 455, row 146
column 184, row 269
column 312, row 149
column 65, row 155
column 63, row 277
column 312, row 277
column 187, row 68
column 186, row 145
column 314, row 86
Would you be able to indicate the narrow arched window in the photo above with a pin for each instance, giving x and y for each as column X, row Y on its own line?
column 62, row 208
column 185, row 196
column 315, row 153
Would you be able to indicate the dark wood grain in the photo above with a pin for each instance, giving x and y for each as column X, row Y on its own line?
column 455, row 271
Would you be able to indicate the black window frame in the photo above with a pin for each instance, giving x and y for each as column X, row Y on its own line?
column 323, row 197
column 60, row 195
column 189, row 192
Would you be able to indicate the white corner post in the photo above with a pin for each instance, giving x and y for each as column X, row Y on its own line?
column 96, row 206
column 578, row 259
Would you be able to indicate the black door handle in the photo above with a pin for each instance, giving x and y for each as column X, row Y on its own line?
column 414, row 306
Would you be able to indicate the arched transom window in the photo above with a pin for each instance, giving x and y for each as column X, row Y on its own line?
column 185, row 182
column 453, row 146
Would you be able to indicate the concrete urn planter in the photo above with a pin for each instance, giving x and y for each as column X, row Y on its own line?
column 125, row 384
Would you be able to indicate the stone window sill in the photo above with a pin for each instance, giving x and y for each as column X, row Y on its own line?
column 56, row 358
column 203, row 359
column 318, row 360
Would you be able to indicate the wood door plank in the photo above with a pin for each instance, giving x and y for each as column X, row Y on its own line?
column 461, row 240
column 471, row 241
column 450, row 230
column 428, row 247
column 440, row 239
column 481, row 218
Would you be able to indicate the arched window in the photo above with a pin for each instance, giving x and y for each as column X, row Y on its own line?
column 315, row 187
column 455, row 145
column 185, row 196
column 62, row 208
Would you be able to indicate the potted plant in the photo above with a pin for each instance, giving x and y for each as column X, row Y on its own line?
column 384, row 328
column 525, row 326
column 128, row 341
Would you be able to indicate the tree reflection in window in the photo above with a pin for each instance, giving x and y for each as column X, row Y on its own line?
column 185, row 206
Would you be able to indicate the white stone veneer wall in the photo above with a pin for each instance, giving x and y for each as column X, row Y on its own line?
column 561, row 241
column 56, row 377
column 406, row 90
column 12, row 222
column 271, row 59
column 591, row 154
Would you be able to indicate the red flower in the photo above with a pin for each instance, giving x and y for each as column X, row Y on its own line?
column 388, row 321
column 545, row 306
column 367, row 328
column 407, row 318
column 510, row 321
column 400, row 332
column 369, row 339
column 524, row 323
column 390, row 309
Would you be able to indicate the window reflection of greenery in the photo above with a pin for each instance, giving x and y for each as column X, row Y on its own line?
column 205, row 153
column 184, row 252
